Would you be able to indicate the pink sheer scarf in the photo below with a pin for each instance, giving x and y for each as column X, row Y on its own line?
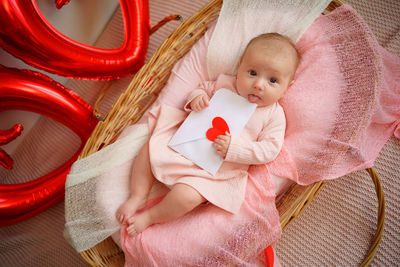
column 345, row 103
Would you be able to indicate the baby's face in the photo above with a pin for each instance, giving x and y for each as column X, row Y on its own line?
column 265, row 71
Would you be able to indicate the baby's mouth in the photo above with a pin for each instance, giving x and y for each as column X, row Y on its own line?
column 253, row 98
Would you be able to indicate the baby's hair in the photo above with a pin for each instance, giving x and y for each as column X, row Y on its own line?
column 276, row 36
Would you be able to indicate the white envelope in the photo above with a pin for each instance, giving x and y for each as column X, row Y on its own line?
column 190, row 139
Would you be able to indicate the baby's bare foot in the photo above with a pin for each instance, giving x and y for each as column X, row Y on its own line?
column 129, row 208
column 139, row 223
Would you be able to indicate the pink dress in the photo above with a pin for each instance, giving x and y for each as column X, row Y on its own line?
column 259, row 143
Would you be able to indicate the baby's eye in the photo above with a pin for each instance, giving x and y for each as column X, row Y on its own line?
column 272, row 80
column 252, row 72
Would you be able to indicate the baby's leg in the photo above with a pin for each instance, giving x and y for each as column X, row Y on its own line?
column 140, row 184
column 180, row 200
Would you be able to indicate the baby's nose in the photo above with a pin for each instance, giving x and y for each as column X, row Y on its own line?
column 258, row 84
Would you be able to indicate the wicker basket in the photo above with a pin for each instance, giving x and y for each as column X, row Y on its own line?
column 142, row 92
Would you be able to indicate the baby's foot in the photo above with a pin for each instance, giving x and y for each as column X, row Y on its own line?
column 139, row 223
column 129, row 208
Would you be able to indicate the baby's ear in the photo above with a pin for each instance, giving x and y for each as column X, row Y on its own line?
column 240, row 61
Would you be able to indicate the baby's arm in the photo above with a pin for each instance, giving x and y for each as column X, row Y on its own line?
column 199, row 102
column 265, row 149
column 199, row 98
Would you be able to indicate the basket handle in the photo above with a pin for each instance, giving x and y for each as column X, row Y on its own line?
column 381, row 218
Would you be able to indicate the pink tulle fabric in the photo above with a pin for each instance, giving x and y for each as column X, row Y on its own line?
column 209, row 236
column 345, row 103
column 343, row 107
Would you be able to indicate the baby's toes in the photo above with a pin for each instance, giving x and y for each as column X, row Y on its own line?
column 130, row 221
column 131, row 230
column 120, row 218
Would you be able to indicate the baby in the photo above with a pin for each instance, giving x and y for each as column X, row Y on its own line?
column 265, row 71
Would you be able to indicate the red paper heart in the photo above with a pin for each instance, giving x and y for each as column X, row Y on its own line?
column 220, row 127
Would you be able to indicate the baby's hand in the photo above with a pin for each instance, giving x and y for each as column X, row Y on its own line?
column 199, row 102
column 221, row 143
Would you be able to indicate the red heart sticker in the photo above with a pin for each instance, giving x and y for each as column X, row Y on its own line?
column 220, row 127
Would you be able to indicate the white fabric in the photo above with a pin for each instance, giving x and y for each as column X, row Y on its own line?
column 95, row 185
column 240, row 21
column 109, row 157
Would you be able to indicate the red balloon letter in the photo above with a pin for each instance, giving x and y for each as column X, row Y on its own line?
column 33, row 91
column 26, row 34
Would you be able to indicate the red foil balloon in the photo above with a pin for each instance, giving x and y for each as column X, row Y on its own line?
column 61, row 3
column 35, row 92
column 26, row 34
column 6, row 136
column 5, row 160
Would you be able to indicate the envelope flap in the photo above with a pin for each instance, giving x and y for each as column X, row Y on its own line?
column 233, row 108
column 193, row 128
